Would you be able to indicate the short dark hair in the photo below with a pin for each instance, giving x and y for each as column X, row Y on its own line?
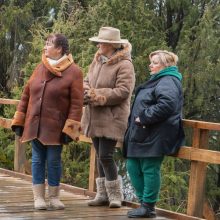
column 60, row 40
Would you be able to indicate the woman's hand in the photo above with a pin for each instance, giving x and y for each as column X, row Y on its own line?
column 86, row 86
column 18, row 130
column 90, row 97
column 65, row 139
column 86, row 99
column 137, row 120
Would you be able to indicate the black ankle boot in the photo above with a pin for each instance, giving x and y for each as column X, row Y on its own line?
column 144, row 211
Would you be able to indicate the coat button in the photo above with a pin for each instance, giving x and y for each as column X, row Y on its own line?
column 40, row 99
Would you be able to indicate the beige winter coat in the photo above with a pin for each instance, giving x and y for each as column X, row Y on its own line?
column 112, row 83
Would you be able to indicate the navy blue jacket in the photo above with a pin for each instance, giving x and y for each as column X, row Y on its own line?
column 158, row 104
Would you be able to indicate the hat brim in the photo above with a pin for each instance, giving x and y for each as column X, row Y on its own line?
column 98, row 40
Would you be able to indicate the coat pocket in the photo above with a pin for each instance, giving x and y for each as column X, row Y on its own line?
column 139, row 133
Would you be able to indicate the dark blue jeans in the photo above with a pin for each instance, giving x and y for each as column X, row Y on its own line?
column 43, row 156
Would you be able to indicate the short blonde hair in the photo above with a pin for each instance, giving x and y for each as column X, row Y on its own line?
column 166, row 58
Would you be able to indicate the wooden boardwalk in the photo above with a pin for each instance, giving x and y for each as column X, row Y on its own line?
column 16, row 203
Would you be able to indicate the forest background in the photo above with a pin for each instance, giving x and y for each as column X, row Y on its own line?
column 190, row 28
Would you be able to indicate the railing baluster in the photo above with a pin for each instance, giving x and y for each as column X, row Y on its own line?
column 19, row 156
column 92, row 169
column 197, row 176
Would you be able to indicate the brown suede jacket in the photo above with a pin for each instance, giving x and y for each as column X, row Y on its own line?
column 51, row 103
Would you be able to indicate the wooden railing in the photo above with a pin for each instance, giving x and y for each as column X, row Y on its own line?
column 198, row 154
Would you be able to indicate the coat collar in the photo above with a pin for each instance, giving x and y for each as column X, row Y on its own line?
column 121, row 54
column 59, row 67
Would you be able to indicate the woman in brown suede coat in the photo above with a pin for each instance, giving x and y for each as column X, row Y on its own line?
column 108, row 88
column 49, row 115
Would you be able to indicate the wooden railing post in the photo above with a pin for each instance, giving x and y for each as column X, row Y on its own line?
column 19, row 156
column 197, row 176
column 92, row 169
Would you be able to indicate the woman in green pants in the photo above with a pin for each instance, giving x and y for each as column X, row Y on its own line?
column 154, row 129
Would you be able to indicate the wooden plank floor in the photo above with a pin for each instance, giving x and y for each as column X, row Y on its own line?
column 16, row 203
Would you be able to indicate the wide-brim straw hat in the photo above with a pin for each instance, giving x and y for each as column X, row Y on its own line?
column 109, row 35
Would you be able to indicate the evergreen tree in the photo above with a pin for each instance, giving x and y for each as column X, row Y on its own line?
column 189, row 28
column 16, row 19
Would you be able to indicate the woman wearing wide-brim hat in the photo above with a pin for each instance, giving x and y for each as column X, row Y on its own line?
column 108, row 88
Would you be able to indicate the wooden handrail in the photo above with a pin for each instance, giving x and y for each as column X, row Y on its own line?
column 201, row 155
column 9, row 101
column 198, row 154
column 202, row 125
column 5, row 123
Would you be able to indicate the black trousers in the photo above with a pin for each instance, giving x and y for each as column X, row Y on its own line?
column 105, row 149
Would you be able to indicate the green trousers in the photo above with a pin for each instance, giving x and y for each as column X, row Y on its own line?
column 145, row 177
